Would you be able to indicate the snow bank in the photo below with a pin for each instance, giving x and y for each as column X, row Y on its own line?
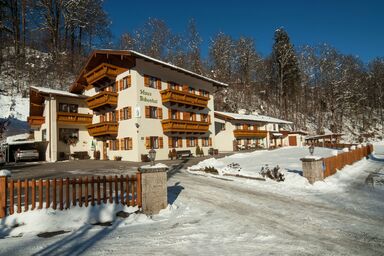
column 158, row 165
column 288, row 159
column 5, row 172
column 48, row 220
column 250, row 164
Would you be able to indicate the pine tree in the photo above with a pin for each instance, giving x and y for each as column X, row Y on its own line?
column 285, row 71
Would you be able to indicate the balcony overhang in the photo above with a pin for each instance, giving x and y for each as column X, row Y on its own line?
column 103, row 130
column 73, row 118
column 103, row 75
column 184, row 98
column 36, row 121
column 102, row 100
column 184, row 126
column 242, row 133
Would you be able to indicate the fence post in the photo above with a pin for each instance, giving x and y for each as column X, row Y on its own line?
column 153, row 189
column 313, row 168
column 3, row 192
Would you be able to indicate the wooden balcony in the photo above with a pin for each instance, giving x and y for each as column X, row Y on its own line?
column 103, row 129
column 103, row 75
column 73, row 118
column 184, row 98
column 102, row 100
column 243, row 133
column 36, row 121
column 184, row 126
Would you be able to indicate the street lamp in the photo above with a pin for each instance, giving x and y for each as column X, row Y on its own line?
column 152, row 156
column 311, row 149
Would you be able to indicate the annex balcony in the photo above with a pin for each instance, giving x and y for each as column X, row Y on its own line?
column 36, row 121
column 102, row 100
column 184, row 98
column 103, row 75
column 184, row 126
column 103, row 129
column 244, row 133
column 73, row 118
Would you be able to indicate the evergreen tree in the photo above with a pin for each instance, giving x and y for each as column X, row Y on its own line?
column 286, row 73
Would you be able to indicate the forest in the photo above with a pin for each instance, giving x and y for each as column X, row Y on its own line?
column 319, row 88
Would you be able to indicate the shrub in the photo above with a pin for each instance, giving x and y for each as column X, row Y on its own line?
column 96, row 155
column 197, row 152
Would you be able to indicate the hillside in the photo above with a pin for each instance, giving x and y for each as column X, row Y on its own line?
column 38, row 71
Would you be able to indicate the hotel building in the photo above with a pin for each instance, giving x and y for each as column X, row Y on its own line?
column 122, row 104
column 246, row 131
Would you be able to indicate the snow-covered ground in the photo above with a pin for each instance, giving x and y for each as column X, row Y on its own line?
column 220, row 215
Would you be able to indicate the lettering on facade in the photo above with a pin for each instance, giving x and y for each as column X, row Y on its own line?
column 147, row 97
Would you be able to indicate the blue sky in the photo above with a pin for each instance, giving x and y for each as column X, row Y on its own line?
column 353, row 27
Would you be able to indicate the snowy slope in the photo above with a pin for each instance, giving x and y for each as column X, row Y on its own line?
column 14, row 106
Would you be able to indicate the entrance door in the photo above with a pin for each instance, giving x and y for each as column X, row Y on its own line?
column 292, row 140
column 105, row 156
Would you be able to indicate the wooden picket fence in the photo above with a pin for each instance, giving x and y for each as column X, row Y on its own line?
column 337, row 162
column 64, row 193
column 332, row 145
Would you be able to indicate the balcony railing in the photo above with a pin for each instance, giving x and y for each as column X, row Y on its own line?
column 103, row 129
column 243, row 133
column 102, row 100
column 103, row 73
column 36, row 121
column 184, row 126
column 185, row 98
column 73, row 118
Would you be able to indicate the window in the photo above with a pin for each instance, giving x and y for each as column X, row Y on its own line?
column 205, row 142
column 126, row 113
column 174, row 142
column 154, row 142
column 68, row 135
column 205, row 118
column 44, row 135
column 153, row 112
column 173, row 86
column 191, row 142
column 126, row 82
column 192, row 116
column 152, row 82
column 71, row 108
column 114, row 145
column 173, row 114
column 127, row 143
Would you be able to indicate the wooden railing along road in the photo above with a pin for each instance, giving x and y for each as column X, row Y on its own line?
column 64, row 193
column 337, row 162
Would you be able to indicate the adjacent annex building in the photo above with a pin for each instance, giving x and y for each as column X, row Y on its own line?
column 122, row 104
column 248, row 131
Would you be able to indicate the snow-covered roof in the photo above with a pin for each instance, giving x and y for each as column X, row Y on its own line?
column 45, row 90
column 177, row 68
column 251, row 117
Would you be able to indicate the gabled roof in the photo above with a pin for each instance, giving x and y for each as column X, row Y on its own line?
column 46, row 91
column 255, row 118
column 126, row 58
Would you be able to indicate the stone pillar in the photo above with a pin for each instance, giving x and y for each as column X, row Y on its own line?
column 313, row 168
column 3, row 192
column 154, row 189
